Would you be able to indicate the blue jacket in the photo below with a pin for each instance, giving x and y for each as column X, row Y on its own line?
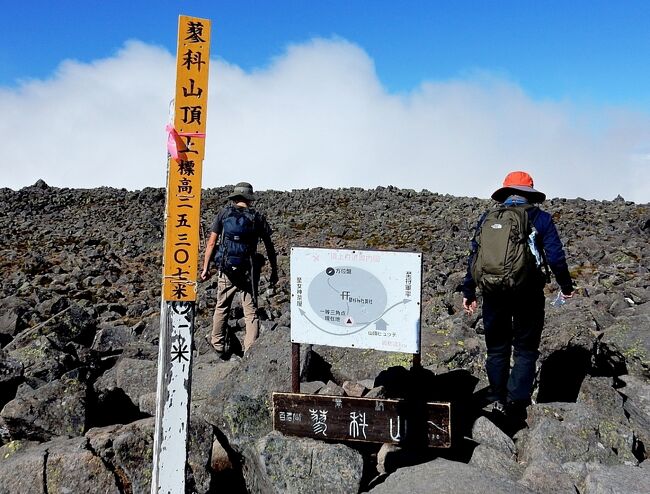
column 548, row 239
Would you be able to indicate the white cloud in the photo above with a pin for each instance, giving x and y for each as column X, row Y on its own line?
column 316, row 116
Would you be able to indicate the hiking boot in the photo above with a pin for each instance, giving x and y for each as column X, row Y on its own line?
column 516, row 411
column 222, row 354
column 497, row 414
column 498, row 407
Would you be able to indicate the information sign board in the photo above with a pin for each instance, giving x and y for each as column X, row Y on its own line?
column 356, row 298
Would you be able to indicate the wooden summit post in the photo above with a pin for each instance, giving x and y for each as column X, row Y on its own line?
column 186, row 147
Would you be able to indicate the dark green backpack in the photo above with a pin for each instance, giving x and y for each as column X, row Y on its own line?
column 504, row 260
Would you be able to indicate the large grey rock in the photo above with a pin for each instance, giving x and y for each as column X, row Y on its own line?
column 42, row 361
column 240, row 406
column 446, row 477
column 147, row 403
column 636, row 393
column 209, row 371
column 72, row 467
column 11, row 310
column 571, row 327
column 496, row 461
column 353, row 388
column 331, row 389
column 577, row 471
column 547, row 478
column 311, row 387
column 112, row 338
column 628, row 340
column 566, row 351
column 350, row 364
column 302, row 465
column 128, row 450
column 485, row 432
column 57, row 466
column 64, row 323
column 566, row 432
column 56, row 409
column 11, row 374
column 200, row 443
column 133, row 377
column 76, row 324
column 623, row 478
column 614, row 428
column 22, row 467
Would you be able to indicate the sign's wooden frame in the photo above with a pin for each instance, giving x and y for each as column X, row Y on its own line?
column 347, row 418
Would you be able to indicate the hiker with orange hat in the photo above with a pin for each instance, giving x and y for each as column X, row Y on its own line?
column 512, row 247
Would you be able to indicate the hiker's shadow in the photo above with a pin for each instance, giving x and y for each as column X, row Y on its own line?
column 561, row 375
column 419, row 386
column 234, row 344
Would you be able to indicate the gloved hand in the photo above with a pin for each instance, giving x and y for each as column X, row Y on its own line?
column 469, row 305
column 567, row 291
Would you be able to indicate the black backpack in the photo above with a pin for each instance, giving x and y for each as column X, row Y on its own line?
column 504, row 259
column 238, row 241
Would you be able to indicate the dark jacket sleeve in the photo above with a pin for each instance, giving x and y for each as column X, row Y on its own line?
column 265, row 233
column 217, row 223
column 554, row 251
column 469, row 285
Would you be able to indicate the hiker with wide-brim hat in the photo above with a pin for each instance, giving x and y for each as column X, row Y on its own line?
column 521, row 184
column 232, row 248
column 513, row 318
column 243, row 190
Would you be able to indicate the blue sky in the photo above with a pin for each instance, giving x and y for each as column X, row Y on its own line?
column 575, row 65
column 588, row 51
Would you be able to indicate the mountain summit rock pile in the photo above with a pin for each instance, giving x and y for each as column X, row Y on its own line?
column 79, row 322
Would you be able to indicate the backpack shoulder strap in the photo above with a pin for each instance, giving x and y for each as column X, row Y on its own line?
column 539, row 244
column 481, row 220
column 252, row 215
column 228, row 210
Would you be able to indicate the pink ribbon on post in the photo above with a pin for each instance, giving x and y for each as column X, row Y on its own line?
column 174, row 141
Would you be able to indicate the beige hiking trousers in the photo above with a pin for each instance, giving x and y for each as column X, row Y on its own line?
column 226, row 292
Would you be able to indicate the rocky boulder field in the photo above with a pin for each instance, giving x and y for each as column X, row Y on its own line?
column 79, row 328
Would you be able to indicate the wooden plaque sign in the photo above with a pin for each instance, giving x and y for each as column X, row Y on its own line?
column 362, row 419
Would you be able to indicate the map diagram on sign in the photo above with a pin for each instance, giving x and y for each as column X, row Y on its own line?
column 351, row 298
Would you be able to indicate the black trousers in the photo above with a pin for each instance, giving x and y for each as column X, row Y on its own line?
column 513, row 327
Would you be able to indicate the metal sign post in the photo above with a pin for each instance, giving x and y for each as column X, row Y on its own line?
column 186, row 147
